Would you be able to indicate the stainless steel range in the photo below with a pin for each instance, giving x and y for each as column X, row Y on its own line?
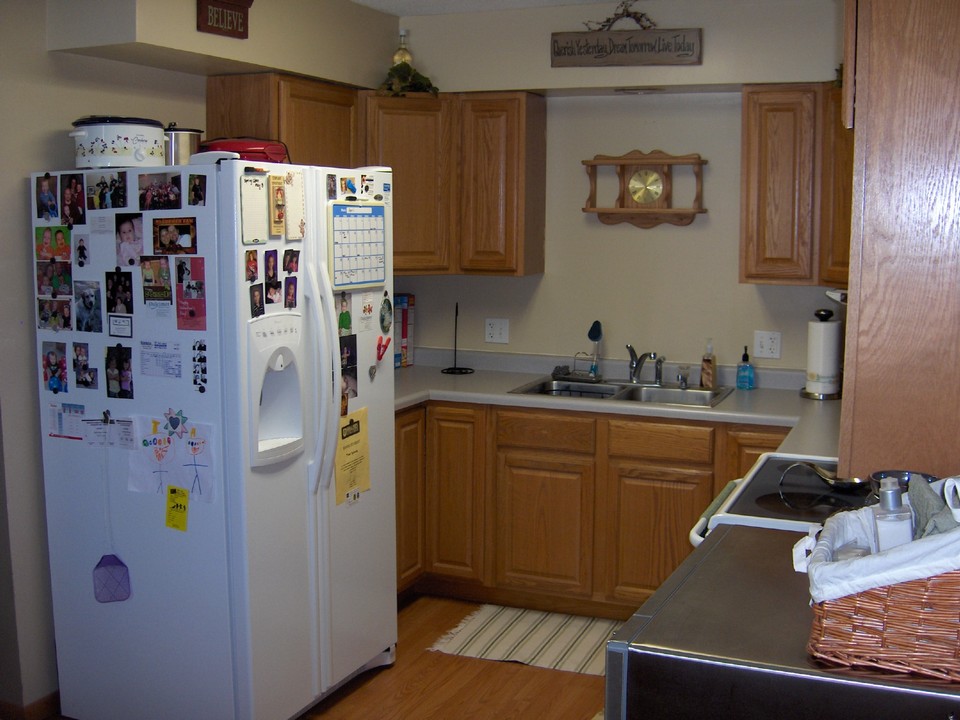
column 781, row 492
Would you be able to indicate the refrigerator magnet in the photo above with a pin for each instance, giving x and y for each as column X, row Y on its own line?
column 191, row 294
column 386, row 313
column 278, row 205
column 121, row 326
column 178, row 503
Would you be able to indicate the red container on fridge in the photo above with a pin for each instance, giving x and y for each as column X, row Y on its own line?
column 248, row 148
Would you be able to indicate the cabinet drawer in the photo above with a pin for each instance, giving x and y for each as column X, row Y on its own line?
column 548, row 431
column 662, row 441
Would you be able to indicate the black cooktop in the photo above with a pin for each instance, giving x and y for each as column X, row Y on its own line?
column 779, row 488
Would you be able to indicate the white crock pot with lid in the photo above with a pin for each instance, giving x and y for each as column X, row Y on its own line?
column 111, row 141
column 180, row 143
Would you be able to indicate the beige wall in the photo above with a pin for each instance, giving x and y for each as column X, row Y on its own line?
column 743, row 41
column 664, row 289
column 333, row 39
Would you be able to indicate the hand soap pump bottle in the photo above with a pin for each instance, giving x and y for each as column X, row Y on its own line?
column 745, row 376
column 708, row 378
column 893, row 519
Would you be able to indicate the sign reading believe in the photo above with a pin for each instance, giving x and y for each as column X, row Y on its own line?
column 602, row 48
column 224, row 17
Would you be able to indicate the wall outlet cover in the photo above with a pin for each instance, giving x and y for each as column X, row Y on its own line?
column 766, row 344
column 496, row 330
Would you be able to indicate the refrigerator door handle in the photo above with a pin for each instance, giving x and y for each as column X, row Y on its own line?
column 325, row 408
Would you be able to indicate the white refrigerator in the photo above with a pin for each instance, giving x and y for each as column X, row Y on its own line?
column 216, row 397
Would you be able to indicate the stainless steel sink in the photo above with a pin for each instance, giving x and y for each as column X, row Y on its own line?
column 569, row 388
column 626, row 392
column 673, row 395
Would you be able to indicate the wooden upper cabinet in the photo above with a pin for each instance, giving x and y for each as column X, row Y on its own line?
column 779, row 189
column 836, row 197
column 318, row 121
column 904, row 295
column 796, row 185
column 468, row 172
column 503, row 151
column 417, row 136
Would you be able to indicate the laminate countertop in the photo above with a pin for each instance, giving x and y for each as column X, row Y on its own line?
column 815, row 424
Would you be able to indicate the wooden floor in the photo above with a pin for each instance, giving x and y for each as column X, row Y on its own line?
column 424, row 685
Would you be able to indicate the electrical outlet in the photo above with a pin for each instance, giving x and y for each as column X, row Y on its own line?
column 496, row 330
column 766, row 344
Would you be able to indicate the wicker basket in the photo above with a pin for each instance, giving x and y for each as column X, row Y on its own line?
column 910, row 627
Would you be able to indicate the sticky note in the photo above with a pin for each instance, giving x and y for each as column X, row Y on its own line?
column 178, row 501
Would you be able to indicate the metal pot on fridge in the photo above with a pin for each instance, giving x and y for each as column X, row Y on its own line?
column 180, row 143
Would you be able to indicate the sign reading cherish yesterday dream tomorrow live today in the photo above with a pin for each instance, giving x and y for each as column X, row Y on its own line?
column 626, row 47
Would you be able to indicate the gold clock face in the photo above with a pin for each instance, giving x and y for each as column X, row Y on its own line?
column 645, row 186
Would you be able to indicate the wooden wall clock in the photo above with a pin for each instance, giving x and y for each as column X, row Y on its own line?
column 646, row 188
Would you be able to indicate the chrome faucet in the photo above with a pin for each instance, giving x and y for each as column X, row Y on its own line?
column 637, row 361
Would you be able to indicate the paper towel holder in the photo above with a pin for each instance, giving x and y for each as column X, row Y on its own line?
column 824, row 315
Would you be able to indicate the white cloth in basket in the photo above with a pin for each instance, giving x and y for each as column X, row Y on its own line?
column 914, row 560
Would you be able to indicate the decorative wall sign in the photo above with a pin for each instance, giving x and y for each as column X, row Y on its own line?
column 626, row 47
column 224, row 17
column 603, row 46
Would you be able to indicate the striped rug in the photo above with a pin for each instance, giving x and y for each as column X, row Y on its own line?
column 531, row 637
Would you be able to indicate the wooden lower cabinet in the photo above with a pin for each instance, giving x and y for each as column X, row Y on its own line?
column 545, row 487
column 658, row 480
column 743, row 446
column 649, row 512
column 410, row 441
column 577, row 512
column 455, row 489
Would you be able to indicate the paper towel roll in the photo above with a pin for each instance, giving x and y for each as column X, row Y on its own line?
column 823, row 357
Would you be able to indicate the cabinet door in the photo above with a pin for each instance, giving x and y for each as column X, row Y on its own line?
column 503, row 174
column 904, row 295
column 836, row 200
column 410, row 436
column 780, row 168
column 544, row 523
column 243, row 106
column 417, row 137
column 319, row 123
column 650, row 510
column 455, row 490
column 658, row 480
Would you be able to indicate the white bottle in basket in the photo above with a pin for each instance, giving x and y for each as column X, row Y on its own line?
column 893, row 519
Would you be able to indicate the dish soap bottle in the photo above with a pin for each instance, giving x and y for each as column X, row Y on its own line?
column 745, row 376
column 708, row 378
column 893, row 520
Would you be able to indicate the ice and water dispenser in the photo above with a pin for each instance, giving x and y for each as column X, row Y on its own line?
column 275, row 346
